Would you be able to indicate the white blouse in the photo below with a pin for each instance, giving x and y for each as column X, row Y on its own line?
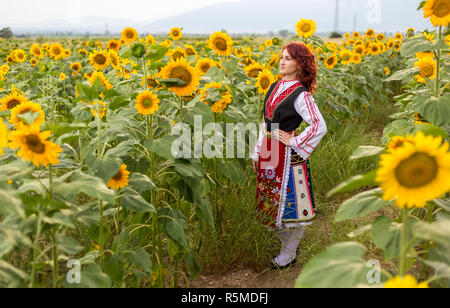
column 309, row 138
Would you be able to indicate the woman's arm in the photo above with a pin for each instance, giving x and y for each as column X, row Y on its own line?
column 308, row 140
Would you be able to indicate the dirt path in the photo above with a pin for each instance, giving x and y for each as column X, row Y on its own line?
column 248, row 278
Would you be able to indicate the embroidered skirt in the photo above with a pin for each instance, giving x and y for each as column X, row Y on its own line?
column 284, row 195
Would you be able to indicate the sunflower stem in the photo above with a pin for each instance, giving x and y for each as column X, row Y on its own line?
column 99, row 155
column 55, row 260
column 35, row 248
column 437, row 94
column 404, row 243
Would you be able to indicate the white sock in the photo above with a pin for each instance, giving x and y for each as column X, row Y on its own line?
column 290, row 239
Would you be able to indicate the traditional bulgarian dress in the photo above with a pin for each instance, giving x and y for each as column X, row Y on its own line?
column 284, row 194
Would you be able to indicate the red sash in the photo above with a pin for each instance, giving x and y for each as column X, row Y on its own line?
column 273, row 103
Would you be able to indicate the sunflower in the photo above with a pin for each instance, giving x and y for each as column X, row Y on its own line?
column 438, row 11
column 34, row 146
column 221, row 43
column 374, row 49
column 114, row 45
column 83, row 52
column 4, row 68
column 370, row 33
column 346, row 56
column 36, row 51
column 101, row 108
column 20, row 55
column 410, row 32
column 3, row 136
column 359, row 49
column 427, row 68
column 264, row 80
column 390, row 44
column 150, row 39
column 189, row 50
column 75, row 67
column 99, row 59
column 152, row 83
column 268, row 43
column 175, row 33
column 177, row 53
column 406, row 282
column 67, row 53
column 356, row 58
column 147, row 103
column 24, row 108
column 11, row 101
column 273, row 61
column 126, row 64
column 221, row 101
column 387, row 72
column 398, row 36
column 180, row 69
column 166, row 43
column 115, row 60
column 129, row 35
column 34, row 62
column 204, row 65
column 380, row 37
column 120, row 180
column 331, row 61
column 101, row 77
column 253, row 70
column 347, row 35
column 56, row 51
column 62, row 76
column 305, row 28
column 415, row 172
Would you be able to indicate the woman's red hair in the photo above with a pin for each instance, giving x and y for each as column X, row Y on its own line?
column 306, row 62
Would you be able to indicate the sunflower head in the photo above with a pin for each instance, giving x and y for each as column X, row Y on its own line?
column 438, row 11
column 11, row 101
column 99, row 59
column 56, row 51
column 221, row 43
column 181, row 69
column 427, row 68
column 147, row 103
column 34, row 146
column 120, row 179
column 175, row 33
column 129, row 35
column 204, row 65
column 253, row 69
column 306, row 28
column 416, row 171
column 34, row 62
column 3, row 136
column 264, row 80
column 138, row 50
column 75, row 67
column 35, row 116
column 406, row 282
column 331, row 61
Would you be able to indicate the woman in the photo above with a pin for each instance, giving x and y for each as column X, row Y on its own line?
column 284, row 194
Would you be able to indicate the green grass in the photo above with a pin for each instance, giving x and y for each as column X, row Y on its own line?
column 243, row 242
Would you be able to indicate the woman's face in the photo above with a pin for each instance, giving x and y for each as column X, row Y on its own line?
column 288, row 66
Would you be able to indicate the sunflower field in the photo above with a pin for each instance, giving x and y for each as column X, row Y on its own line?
column 93, row 193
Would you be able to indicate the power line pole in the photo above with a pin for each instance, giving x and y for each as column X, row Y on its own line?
column 336, row 17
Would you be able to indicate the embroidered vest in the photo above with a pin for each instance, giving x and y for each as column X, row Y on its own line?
column 282, row 111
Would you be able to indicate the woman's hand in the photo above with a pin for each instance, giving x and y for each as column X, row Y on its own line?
column 254, row 165
column 284, row 137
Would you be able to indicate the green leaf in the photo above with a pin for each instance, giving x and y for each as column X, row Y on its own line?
column 68, row 244
column 437, row 231
column 92, row 277
column 132, row 200
column 121, row 149
column 11, row 237
column 10, row 275
column 361, row 205
column 15, row 170
column 94, row 233
column 405, row 74
column 354, row 182
column 420, row 44
column 189, row 168
column 87, row 92
column 233, row 171
column 174, row 229
column 443, row 204
column 141, row 259
column 141, row 182
column 340, row 265
column 114, row 268
column 192, row 264
column 11, row 202
column 156, row 53
column 366, row 150
column 162, row 147
column 435, row 110
column 85, row 183
column 429, row 129
column 28, row 117
column 105, row 168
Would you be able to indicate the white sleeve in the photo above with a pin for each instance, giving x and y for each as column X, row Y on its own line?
column 255, row 155
column 308, row 140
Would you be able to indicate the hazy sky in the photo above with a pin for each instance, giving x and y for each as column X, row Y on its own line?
column 207, row 15
column 25, row 12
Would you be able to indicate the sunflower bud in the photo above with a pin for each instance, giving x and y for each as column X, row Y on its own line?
column 138, row 50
